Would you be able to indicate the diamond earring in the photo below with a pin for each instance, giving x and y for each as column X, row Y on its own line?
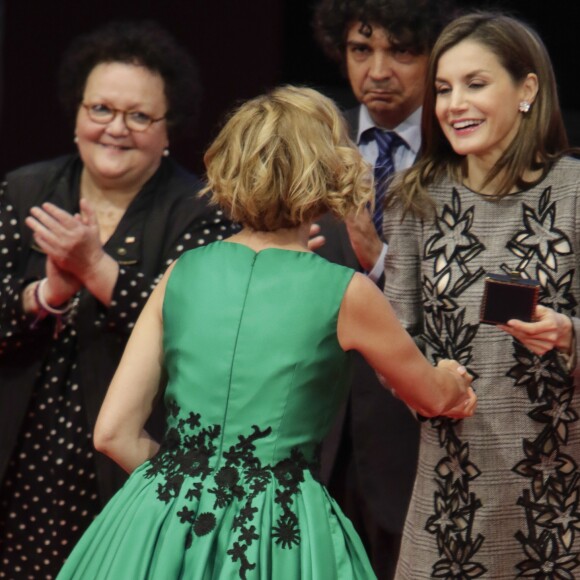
column 524, row 106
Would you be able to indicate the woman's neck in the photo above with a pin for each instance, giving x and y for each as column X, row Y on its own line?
column 284, row 238
column 108, row 203
column 476, row 175
column 476, row 172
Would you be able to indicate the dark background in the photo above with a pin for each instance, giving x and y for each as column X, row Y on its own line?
column 243, row 47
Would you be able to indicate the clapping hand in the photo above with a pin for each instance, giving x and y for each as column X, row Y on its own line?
column 60, row 285
column 71, row 242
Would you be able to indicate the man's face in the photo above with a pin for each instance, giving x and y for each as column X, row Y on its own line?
column 386, row 77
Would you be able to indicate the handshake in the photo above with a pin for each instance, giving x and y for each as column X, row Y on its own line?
column 455, row 382
column 467, row 402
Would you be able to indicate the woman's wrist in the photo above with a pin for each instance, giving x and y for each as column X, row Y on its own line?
column 44, row 304
column 101, row 281
column 565, row 341
column 29, row 302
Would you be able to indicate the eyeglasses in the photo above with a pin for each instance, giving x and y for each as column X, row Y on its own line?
column 134, row 120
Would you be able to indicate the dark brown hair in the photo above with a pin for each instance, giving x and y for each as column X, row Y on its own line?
column 145, row 44
column 413, row 23
column 541, row 138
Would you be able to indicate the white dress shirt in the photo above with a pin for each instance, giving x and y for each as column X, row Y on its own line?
column 404, row 156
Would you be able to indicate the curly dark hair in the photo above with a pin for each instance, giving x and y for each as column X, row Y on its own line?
column 143, row 43
column 413, row 23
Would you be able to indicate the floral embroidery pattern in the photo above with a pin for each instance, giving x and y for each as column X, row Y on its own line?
column 450, row 336
column 551, row 501
column 454, row 244
column 550, row 497
column 540, row 238
column 184, row 460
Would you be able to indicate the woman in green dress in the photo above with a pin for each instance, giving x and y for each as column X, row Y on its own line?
column 253, row 338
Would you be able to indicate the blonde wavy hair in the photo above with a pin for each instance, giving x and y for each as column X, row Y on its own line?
column 285, row 158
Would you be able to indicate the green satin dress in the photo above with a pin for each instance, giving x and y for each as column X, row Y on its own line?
column 256, row 375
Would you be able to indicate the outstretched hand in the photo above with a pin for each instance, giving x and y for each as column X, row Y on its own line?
column 468, row 403
column 549, row 330
column 466, row 408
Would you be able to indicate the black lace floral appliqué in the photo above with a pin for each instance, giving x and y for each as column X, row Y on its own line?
column 184, row 460
column 449, row 335
column 551, row 501
column 454, row 245
column 540, row 238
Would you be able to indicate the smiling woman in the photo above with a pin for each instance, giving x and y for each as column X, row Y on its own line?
column 495, row 191
column 85, row 239
column 478, row 107
column 113, row 150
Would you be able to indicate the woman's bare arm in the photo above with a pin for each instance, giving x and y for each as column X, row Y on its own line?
column 119, row 432
column 368, row 324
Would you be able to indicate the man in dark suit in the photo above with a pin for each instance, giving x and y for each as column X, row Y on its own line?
column 369, row 460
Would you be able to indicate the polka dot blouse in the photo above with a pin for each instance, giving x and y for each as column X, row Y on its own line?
column 49, row 493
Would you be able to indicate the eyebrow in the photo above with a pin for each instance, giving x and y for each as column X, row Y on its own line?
column 363, row 41
column 468, row 76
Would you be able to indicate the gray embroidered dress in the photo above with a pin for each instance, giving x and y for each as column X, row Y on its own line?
column 496, row 496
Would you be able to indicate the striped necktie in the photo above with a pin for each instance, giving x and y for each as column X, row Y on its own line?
column 387, row 141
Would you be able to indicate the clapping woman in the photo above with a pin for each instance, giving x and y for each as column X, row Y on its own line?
column 85, row 238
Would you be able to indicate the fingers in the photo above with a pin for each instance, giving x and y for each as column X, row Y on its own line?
column 471, row 403
column 49, row 222
column 452, row 365
column 361, row 224
column 51, row 215
column 538, row 347
column 543, row 318
column 545, row 339
column 44, row 237
column 314, row 230
column 62, row 236
column 89, row 217
column 316, row 243
column 466, row 408
column 463, row 372
column 538, row 337
column 468, row 403
column 362, row 216
column 39, row 222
